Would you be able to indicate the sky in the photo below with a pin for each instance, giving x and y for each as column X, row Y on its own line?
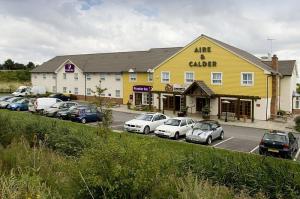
column 38, row 30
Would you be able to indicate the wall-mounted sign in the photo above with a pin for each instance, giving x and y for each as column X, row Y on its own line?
column 169, row 88
column 178, row 88
column 141, row 88
column 69, row 68
column 203, row 62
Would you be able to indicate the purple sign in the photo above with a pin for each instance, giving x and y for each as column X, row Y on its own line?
column 69, row 68
column 142, row 88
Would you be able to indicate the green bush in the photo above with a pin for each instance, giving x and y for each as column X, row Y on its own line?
column 18, row 75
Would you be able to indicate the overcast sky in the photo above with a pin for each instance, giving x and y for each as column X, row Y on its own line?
column 37, row 30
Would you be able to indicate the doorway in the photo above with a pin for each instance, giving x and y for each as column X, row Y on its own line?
column 201, row 103
column 138, row 97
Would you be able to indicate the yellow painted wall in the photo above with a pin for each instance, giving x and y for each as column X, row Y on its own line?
column 142, row 79
column 228, row 63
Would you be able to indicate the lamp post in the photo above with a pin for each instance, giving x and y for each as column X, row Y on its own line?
column 227, row 104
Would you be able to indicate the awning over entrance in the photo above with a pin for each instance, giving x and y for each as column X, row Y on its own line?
column 199, row 88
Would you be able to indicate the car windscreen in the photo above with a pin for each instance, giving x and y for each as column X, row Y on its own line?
column 173, row 122
column 21, row 100
column 145, row 117
column 202, row 126
column 275, row 137
column 56, row 105
column 14, row 99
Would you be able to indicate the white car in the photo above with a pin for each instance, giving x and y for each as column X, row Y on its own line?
column 175, row 127
column 145, row 123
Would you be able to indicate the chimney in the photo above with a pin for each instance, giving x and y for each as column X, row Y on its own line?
column 275, row 87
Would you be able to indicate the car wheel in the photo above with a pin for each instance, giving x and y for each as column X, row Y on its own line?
column 221, row 136
column 83, row 120
column 208, row 141
column 176, row 137
column 146, row 130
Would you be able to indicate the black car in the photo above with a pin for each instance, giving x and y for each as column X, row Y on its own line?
column 65, row 114
column 60, row 96
column 278, row 143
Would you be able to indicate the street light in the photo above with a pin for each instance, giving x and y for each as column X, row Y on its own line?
column 227, row 103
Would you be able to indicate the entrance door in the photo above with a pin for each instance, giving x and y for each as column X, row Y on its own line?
column 245, row 108
column 201, row 103
column 138, row 97
column 177, row 103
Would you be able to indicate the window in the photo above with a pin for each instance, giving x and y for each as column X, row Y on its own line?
column 118, row 77
column 118, row 93
column 297, row 102
column 190, row 121
column 76, row 76
column 189, row 77
column 156, row 118
column 216, row 78
column 54, row 89
column 102, row 76
column 35, row 76
column 53, row 76
column 102, row 94
column 165, row 77
column 146, row 97
column 44, row 76
column 183, row 123
column 65, row 76
column 88, row 91
column 132, row 77
column 247, row 79
column 88, row 77
column 76, row 91
column 64, row 89
column 150, row 77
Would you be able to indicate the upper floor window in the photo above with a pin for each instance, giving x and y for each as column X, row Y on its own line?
column 165, row 77
column 44, row 76
column 132, row 77
column 216, row 78
column 88, row 76
column 247, row 78
column 54, row 89
column 189, row 77
column 118, row 77
column 297, row 105
column 65, row 76
column 35, row 76
column 102, row 76
column 53, row 76
column 64, row 89
column 76, row 76
column 150, row 77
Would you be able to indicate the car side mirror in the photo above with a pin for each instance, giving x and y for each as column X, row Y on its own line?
column 214, row 129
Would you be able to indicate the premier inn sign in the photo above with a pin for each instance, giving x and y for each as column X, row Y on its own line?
column 202, row 51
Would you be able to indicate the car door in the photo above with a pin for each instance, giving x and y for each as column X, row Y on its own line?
column 292, row 141
column 94, row 115
column 215, row 131
column 184, row 127
column 155, row 122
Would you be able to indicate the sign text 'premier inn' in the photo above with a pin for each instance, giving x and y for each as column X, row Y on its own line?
column 142, row 88
column 203, row 62
column 69, row 68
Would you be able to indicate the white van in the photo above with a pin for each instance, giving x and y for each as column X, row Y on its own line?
column 27, row 90
column 44, row 103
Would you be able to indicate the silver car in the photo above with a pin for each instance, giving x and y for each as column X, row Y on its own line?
column 52, row 111
column 205, row 132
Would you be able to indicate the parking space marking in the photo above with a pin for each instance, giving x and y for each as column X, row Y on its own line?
column 223, row 141
column 254, row 149
column 297, row 154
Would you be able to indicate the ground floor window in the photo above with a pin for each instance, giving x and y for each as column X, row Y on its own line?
column 118, row 93
column 64, row 89
column 142, row 98
column 244, row 109
column 146, row 98
column 297, row 102
column 88, row 91
column 76, row 91
column 54, row 89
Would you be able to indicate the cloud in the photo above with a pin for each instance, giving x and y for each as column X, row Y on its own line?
column 39, row 30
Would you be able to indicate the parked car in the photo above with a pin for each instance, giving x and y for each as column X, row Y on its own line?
column 60, row 96
column 145, row 123
column 65, row 114
column 4, row 98
column 27, row 90
column 20, row 105
column 43, row 103
column 52, row 111
column 5, row 103
column 86, row 114
column 175, row 127
column 278, row 143
column 205, row 132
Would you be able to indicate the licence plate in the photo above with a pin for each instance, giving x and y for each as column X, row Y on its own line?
column 273, row 150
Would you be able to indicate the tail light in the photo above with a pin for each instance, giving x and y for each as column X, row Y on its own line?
column 286, row 146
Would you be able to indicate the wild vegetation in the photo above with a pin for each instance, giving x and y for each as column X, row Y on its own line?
column 46, row 158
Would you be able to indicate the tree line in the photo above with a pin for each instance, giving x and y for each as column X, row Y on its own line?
column 9, row 64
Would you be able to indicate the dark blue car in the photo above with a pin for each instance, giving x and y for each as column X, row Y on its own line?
column 86, row 114
column 21, row 105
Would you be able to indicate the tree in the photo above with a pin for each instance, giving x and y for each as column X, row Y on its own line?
column 30, row 65
column 8, row 64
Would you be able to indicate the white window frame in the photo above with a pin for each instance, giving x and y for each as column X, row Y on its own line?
column 297, row 103
column 76, row 91
column 54, row 89
column 212, row 78
column 118, row 77
column 102, row 76
column 88, row 77
column 150, row 75
column 44, row 76
column 131, row 79
column 161, row 75
column 54, row 76
column 65, row 89
column 242, row 81
column 64, row 75
column 118, row 93
column 146, row 98
column 76, row 76
column 35, row 76
column 185, row 79
column 88, row 91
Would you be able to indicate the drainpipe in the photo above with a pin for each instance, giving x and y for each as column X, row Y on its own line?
column 267, row 105
column 85, row 86
column 55, row 82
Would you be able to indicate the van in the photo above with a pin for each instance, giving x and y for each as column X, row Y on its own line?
column 26, row 90
column 43, row 103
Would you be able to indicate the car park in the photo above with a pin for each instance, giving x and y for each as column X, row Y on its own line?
column 86, row 114
column 175, row 127
column 4, row 98
column 145, row 123
column 5, row 103
column 278, row 143
column 20, row 105
column 43, row 103
column 52, row 111
column 205, row 132
column 60, row 96
column 65, row 114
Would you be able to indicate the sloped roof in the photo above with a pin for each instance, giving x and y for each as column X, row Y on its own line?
column 200, row 84
column 285, row 67
column 140, row 61
column 251, row 58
